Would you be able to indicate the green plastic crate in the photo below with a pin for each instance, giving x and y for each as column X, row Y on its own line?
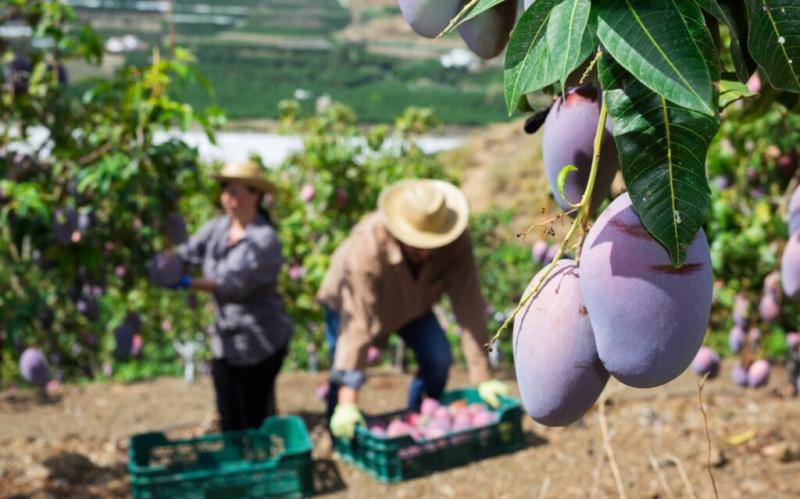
column 272, row 461
column 395, row 459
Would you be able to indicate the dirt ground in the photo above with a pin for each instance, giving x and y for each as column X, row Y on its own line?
column 76, row 446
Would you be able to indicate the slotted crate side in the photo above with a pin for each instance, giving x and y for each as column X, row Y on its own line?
column 272, row 461
column 392, row 460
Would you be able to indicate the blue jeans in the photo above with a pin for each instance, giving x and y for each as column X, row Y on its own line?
column 431, row 349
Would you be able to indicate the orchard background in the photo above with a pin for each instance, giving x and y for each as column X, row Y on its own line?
column 66, row 293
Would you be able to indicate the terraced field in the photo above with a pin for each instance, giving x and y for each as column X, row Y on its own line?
column 258, row 52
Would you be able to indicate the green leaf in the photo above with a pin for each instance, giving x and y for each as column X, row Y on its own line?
column 693, row 17
column 662, row 148
column 562, row 178
column 479, row 8
column 774, row 40
column 732, row 14
column 651, row 39
column 571, row 37
column 527, row 65
column 730, row 91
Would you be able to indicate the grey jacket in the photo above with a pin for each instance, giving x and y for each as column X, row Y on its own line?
column 251, row 322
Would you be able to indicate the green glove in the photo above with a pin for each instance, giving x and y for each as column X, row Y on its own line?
column 344, row 420
column 490, row 390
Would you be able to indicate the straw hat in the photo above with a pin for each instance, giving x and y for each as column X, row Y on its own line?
column 424, row 213
column 248, row 173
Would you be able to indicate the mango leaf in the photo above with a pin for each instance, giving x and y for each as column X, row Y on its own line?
column 562, row 178
column 652, row 41
column 774, row 40
column 571, row 37
column 693, row 17
column 528, row 66
column 662, row 148
column 731, row 91
column 479, row 8
column 732, row 14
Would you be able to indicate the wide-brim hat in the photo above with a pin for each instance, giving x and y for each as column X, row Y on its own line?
column 424, row 213
column 249, row 173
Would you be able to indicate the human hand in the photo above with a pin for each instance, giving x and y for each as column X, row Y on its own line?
column 491, row 390
column 344, row 420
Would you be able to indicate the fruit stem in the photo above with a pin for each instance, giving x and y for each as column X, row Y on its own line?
column 581, row 220
column 586, row 201
column 454, row 21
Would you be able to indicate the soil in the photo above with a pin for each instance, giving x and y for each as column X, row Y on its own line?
column 75, row 446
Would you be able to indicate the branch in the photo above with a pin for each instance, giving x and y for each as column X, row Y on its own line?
column 581, row 221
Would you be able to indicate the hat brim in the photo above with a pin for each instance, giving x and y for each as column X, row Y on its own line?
column 262, row 185
column 391, row 205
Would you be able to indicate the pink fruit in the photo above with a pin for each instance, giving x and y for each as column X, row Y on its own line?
column 736, row 339
column 551, row 252
column 739, row 375
column 754, row 336
column 475, row 408
column 793, row 340
column 296, row 272
column 539, row 251
column 307, row 193
column 648, row 317
column 415, row 419
column 33, row 367
column 741, row 309
column 136, row 345
column 790, row 266
column 754, row 84
column 428, row 407
column 442, row 413
column 794, row 212
column 758, row 374
column 483, row 418
column 768, row 308
column 772, row 285
column 555, row 355
column 435, row 432
column 461, row 421
column 373, row 355
column 397, row 428
column 706, row 361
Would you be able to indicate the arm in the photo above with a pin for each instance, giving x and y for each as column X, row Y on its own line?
column 359, row 325
column 257, row 262
column 193, row 251
column 463, row 287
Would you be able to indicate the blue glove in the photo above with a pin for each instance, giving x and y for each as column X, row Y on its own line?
column 184, row 283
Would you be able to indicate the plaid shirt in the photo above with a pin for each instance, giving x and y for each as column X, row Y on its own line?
column 251, row 323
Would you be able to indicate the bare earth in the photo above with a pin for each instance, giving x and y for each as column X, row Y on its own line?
column 75, row 447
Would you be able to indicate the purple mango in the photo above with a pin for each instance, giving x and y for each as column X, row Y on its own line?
column 558, row 370
column 650, row 327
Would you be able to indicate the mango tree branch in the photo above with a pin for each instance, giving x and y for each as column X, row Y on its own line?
column 581, row 221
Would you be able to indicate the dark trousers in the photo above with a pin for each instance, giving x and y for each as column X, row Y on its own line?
column 246, row 394
column 427, row 340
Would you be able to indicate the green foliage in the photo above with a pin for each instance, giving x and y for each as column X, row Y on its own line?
column 264, row 51
column 670, row 170
column 672, row 52
column 747, row 226
column 64, row 288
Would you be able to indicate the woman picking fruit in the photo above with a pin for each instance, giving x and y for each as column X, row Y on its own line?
column 395, row 265
column 240, row 256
